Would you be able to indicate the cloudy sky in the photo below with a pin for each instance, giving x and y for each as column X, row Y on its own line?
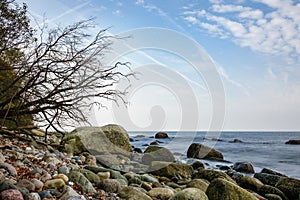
column 254, row 46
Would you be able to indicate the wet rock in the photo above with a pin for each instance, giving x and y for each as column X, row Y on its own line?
column 161, row 135
column 244, row 167
column 236, row 141
column 154, row 143
column 132, row 193
column 11, row 194
column 273, row 197
column 161, row 193
column 203, row 152
column 190, row 193
column 210, row 175
column 250, row 183
column 268, row 179
column 293, row 142
column 290, row 187
column 154, row 153
column 82, row 181
column 267, row 189
column 270, row 171
column 225, row 190
column 137, row 150
column 170, row 170
column 198, row 183
column 198, row 164
column 24, row 183
column 55, row 183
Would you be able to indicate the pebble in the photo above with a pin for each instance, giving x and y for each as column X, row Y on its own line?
column 11, row 194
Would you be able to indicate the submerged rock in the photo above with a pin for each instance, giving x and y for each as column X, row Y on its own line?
column 203, row 152
column 293, row 142
column 161, row 135
column 225, row 190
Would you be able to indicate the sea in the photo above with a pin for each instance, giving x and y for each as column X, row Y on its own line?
column 262, row 149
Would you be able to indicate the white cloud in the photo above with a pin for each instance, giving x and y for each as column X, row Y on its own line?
column 274, row 31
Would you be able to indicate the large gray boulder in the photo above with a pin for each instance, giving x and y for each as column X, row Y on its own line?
column 155, row 153
column 110, row 144
column 201, row 151
column 112, row 139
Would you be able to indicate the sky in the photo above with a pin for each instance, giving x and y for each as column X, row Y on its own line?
column 203, row 65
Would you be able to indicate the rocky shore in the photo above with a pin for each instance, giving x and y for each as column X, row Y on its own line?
column 100, row 163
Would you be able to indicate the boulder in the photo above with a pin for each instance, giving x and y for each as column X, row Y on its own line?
column 161, row 193
column 273, row 197
column 190, row 193
column 210, row 175
column 198, row 183
column 203, row 152
column 225, row 190
column 106, row 140
column 267, row 189
column 236, row 141
column 161, row 135
column 244, row 167
column 293, row 142
column 132, row 193
column 250, row 183
column 155, row 153
column 290, row 187
column 170, row 170
column 268, row 179
column 270, row 171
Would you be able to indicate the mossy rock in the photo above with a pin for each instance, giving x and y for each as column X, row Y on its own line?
column 170, row 170
column 290, row 187
column 222, row 189
column 210, row 175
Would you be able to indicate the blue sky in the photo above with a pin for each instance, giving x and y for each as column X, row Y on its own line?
column 254, row 45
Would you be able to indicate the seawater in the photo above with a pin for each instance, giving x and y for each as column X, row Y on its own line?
column 262, row 149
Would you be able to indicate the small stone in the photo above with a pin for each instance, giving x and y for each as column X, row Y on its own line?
column 133, row 193
column 45, row 177
column 91, row 161
column 103, row 175
column 161, row 193
column 11, row 170
column 37, row 183
column 2, row 178
column 146, row 186
column 45, row 195
column 34, row 196
column 91, row 176
column 11, row 194
column 82, row 181
column 63, row 177
column 63, row 170
column 110, row 185
column 24, row 183
column 55, row 183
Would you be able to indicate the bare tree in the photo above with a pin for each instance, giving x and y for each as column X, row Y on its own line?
column 58, row 76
